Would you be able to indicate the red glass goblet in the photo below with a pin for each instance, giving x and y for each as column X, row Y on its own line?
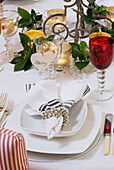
column 101, row 55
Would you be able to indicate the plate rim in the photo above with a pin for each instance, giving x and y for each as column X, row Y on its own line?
column 74, row 156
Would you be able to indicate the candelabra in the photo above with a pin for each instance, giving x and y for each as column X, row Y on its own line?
column 76, row 33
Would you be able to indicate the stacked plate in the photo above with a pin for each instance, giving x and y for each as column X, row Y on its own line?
column 77, row 138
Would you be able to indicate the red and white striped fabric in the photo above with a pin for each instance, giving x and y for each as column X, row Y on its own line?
column 13, row 155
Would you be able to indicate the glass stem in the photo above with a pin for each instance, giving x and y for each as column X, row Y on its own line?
column 1, row 9
column 101, row 80
column 8, row 46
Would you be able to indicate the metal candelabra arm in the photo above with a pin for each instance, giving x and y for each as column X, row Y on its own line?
column 77, row 32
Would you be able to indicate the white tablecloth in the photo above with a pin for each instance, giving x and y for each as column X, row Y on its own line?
column 14, row 84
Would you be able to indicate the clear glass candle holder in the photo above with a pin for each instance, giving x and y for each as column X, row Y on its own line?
column 54, row 20
column 110, row 15
column 64, row 62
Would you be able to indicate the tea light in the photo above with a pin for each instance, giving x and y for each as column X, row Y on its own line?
column 64, row 61
column 110, row 15
column 56, row 19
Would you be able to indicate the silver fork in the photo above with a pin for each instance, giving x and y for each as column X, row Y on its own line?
column 7, row 110
column 3, row 100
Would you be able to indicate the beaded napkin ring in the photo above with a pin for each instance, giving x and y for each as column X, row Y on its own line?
column 57, row 112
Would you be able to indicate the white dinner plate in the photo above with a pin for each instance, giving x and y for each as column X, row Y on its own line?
column 46, row 158
column 36, row 125
column 75, row 144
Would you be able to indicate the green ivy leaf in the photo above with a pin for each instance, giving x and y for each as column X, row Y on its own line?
column 50, row 38
column 100, row 9
column 27, row 65
column 33, row 12
column 28, row 52
column 23, row 23
column 75, row 50
column 83, row 46
column 28, row 20
column 87, row 19
column 38, row 17
column 16, row 60
column 111, row 31
column 80, row 12
column 19, row 66
column 80, row 52
column 24, row 39
column 42, row 40
column 113, row 26
column 24, row 13
column 81, row 65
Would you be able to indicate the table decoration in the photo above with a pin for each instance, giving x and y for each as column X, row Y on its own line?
column 28, row 20
column 94, row 12
column 80, row 53
column 110, row 14
column 93, row 15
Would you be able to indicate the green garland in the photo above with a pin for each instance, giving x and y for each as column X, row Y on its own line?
column 80, row 52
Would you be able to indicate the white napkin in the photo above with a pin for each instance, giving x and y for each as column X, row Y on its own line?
column 47, row 90
column 41, row 93
column 53, row 126
column 72, row 91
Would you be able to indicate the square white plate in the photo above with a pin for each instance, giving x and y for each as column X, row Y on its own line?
column 36, row 125
column 65, row 145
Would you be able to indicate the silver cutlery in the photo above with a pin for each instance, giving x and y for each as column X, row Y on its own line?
column 107, row 133
column 8, row 109
column 3, row 100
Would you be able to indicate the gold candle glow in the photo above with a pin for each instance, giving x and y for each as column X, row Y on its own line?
column 64, row 61
column 110, row 15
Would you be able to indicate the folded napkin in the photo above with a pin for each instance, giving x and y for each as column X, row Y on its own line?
column 53, row 102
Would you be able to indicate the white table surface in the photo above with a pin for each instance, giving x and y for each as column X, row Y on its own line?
column 14, row 84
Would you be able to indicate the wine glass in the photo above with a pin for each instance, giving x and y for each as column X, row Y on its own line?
column 8, row 28
column 1, row 14
column 1, row 7
column 101, row 55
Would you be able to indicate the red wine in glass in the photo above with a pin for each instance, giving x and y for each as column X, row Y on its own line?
column 101, row 52
column 1, row 1
column 101, row 55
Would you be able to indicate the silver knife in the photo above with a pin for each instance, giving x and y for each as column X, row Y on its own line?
column 107, row 133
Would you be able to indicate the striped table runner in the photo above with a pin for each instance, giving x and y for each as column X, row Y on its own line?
column 13, row 154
